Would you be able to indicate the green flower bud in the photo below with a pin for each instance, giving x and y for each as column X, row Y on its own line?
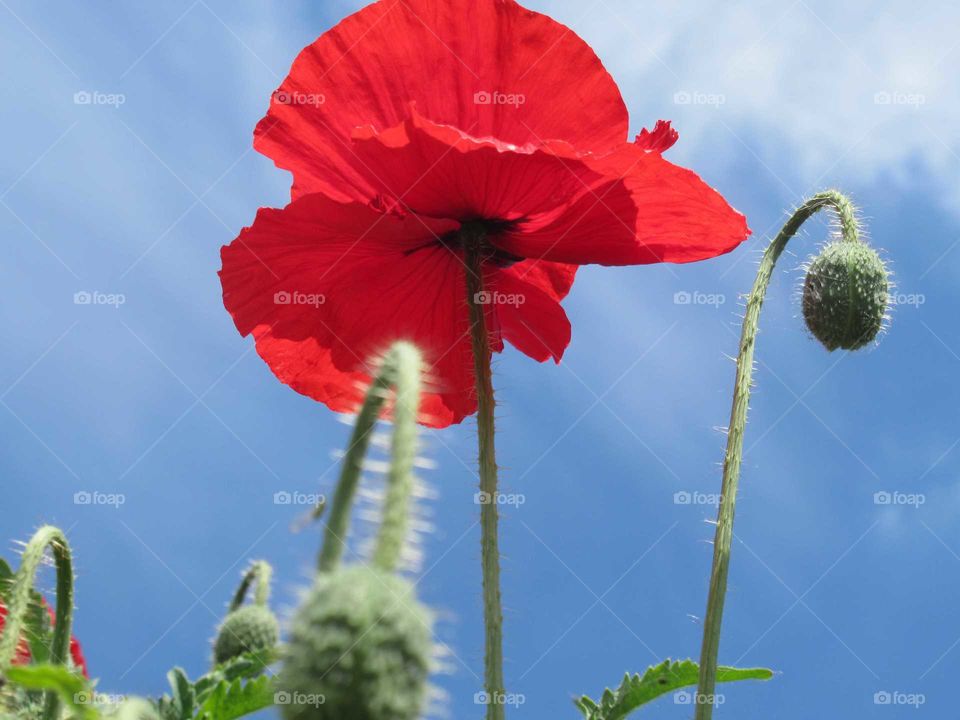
column 251, row 628
column 845, row 295
column 359, row 648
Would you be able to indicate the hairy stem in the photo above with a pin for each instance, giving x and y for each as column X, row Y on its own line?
column 396, row 504
column 19, row 603
column 401, row 367
column 260, row 571
column 738, row 419
column 489, row 549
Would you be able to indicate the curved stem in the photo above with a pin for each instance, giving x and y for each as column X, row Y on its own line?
column 738, row 418
column 400, row 365
column 490, row 553
column 47, row 536
column 260, row 571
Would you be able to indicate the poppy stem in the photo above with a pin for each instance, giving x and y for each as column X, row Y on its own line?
column 401, row 368
column 489, row 545
column 260, row 571
column 19, row 605
column 738, row 418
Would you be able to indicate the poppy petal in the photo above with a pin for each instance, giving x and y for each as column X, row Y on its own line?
column 440, row 171
column 530, row 318
column 490, row 67
column 324, row 286
column 676, row 217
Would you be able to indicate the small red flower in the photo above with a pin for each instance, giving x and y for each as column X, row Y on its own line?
column 23, row 651
column 405, row 122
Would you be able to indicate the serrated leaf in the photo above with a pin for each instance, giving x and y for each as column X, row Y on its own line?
column 245, row 666
column 6, row 574
column 38, row 629
column 658, row 680
column 230, row 700
column 72, row 689
column 184, row 697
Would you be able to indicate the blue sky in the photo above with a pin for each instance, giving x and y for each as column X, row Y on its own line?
column 159, row 399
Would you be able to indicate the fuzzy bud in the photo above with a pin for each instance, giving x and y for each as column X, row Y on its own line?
column 845, row 295
column 249, row 629
column 360, row 646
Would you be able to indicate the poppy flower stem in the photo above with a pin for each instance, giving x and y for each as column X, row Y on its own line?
column 738, row 418
column 402, row 369
column 20, row 598
column 489, row 545
column 261, row 571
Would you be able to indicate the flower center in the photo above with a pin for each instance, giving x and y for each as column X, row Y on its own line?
column 476, row 234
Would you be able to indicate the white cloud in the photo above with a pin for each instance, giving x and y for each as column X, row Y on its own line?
column 819, row 91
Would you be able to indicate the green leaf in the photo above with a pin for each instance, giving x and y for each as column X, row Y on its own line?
column 38, row 629
column 658, row 680
column 73, row 689
column 184, row 698
column 229, row 700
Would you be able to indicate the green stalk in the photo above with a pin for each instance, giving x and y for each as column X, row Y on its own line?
column 396, row 505
column 47, row 536
column 402, row 368
column 260, row 571
column 738, row 419
column 490, row 553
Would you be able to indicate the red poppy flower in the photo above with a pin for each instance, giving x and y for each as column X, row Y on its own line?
column 22, row 656
column 411, row 120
